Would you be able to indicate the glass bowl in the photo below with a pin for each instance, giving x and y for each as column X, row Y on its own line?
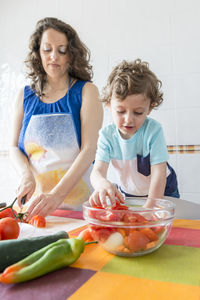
column 131, row 230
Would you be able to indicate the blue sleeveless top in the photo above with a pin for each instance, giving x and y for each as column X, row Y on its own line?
column 50, row 137
column 70, row 103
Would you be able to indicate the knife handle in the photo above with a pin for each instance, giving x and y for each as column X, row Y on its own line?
column 3, row 204
column 23, row 200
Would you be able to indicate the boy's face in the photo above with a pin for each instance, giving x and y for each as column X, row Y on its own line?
column 129, row 114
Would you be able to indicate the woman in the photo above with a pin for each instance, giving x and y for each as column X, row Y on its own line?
column 56, row 121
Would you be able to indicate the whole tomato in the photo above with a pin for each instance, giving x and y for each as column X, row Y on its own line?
column 7, row 213
column 37, row 221
column 9, row 228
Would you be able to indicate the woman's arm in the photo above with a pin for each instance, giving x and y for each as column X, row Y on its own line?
column 157, row 183
column 91, row 121
column 19, row 160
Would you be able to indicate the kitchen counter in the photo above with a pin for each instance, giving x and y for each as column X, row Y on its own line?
column 171, row 272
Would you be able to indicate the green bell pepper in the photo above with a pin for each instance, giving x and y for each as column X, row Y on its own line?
column 50, row 258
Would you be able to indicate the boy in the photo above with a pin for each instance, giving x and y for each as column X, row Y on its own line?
column 134, row 143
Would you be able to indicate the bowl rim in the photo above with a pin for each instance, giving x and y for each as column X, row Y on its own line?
column 170, row 206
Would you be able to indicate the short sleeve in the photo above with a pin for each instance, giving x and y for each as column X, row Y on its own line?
column 103, row 147
column 158, row 148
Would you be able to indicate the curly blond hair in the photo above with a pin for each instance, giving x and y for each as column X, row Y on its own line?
column 79, row 54
column 130, row 78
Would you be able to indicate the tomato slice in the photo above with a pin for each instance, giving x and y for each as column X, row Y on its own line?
column 131, row 217
column 137, row 241
column 119, row 206
column 152, row 236
column 37, row 221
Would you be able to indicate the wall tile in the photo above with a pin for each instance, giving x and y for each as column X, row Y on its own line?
column 185, row 38
column 187, row 90
column 168, row 90
column 188, row 124
column 188, row 170
column 167, row 118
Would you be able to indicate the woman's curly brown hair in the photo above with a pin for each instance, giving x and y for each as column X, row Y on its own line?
column 130, row 78
column 79, row 54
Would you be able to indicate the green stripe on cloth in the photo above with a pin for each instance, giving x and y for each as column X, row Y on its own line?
column 169, row 263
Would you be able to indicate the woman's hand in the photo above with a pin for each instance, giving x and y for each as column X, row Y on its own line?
column 43, row 205
column 26, row 188
column 98, row 197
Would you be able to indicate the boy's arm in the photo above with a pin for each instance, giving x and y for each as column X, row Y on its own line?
column 102, row 187
column 98, row 174
column 157, row 183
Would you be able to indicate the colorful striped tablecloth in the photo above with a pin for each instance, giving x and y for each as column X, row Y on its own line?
column 171, row 272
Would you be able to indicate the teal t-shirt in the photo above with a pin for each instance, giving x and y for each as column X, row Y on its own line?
column 131, row 159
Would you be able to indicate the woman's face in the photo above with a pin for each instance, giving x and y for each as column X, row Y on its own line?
column 53, row 52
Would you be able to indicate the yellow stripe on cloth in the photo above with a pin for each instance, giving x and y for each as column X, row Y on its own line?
column 193, row 224
column 102, row 285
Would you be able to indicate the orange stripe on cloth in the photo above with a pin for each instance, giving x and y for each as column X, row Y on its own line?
column 93, row 258
column 195, row 224
column 75, row 232
column 111, row 286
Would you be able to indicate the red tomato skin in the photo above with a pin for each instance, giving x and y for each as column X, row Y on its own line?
column 37, row 221
column 131, row 217
column 7, row 213
column 9, row 228
column 108, row 216
column 100, row 233
column 86, row 235
column 137, row 241
column 119, row 206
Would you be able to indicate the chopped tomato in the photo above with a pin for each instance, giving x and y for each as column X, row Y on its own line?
column 9, row 228
column 119, row 206
column 100, row 233
column 150, row 234
column 137, row 241
column 108, row 216
column 151, row 245
column 131, row 217
column 158, row 229
column 37, row 221
column 95, row 214
column 86, row 235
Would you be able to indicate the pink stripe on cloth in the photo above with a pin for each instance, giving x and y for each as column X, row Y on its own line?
column 68, row 214
column 57, row 285
column 184, row 237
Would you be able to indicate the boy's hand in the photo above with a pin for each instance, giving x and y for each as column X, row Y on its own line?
column 98, row 197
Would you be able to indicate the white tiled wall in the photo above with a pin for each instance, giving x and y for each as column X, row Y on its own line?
column 164, row 33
